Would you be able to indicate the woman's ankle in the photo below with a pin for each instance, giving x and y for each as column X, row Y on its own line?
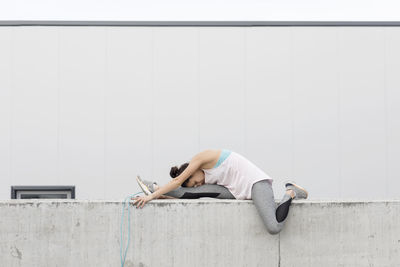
column 290, row 192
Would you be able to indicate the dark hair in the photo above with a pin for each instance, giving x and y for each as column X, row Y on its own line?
column 175, row 172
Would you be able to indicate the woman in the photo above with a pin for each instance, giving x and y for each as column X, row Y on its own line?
column 224, row 170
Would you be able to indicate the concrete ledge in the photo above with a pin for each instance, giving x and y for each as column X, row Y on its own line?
column 198, row 232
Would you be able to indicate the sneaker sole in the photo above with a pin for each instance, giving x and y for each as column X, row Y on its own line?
column 298, row 186
column 142, row 186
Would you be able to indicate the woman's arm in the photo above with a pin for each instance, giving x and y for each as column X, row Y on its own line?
column 167, row 197
column 196, row 163
column 193, row 166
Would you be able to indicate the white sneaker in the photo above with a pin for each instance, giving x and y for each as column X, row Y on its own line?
column 144, row 187
column 300, row 192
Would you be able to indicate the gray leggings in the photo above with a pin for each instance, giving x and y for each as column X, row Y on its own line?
column 262, row 195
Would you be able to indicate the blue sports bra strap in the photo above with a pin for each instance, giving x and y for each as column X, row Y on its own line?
column 224, row 154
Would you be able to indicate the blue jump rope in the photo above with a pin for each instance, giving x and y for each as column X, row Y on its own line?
column 129, row 228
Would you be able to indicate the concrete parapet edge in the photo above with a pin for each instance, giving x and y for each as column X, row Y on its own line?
column 198, row 232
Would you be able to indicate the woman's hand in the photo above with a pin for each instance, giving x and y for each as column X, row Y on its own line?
column 140, row 201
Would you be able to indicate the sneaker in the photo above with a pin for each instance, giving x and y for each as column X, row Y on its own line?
column 299, row 192
column 142, row 185
column 150, row 185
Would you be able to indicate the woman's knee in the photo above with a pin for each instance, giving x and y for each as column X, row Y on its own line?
column 272, row 226
column 273, row 229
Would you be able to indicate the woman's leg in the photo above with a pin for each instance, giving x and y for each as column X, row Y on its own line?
column 205, row 190
column 263, row 198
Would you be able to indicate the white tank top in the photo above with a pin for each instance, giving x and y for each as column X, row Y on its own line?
column 237, row 174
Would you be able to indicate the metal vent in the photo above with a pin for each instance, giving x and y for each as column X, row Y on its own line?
column 42, row 192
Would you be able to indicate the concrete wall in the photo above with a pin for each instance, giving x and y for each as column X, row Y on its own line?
column 94, row 106
column 202, row 232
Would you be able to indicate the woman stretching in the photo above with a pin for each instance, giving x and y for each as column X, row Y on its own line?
column 225, row 174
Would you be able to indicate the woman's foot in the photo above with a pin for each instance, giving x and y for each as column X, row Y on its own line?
column 147, row 186
column 299, row 192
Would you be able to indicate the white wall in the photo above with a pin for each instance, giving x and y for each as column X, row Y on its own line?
column 204, row 10
column 94, row 106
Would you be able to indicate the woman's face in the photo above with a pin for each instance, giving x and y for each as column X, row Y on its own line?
column 196, row 179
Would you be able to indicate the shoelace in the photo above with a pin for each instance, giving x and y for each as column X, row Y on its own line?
column 129, row 228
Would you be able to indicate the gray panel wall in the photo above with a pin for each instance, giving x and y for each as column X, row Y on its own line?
column 94, row 106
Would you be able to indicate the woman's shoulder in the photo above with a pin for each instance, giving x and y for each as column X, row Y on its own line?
column 208, row 157
column 206, row 153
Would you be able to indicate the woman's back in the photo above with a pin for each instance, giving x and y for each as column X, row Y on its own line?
column 236, row 173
